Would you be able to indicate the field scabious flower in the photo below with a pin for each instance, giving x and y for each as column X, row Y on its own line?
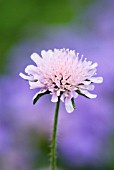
column 62, row 73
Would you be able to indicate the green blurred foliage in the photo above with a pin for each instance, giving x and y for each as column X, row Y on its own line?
column 22, row 18
column 15, row 15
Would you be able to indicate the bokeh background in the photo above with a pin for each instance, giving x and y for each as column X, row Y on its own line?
column 85, row 139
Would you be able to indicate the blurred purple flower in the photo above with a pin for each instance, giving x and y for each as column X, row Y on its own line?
column 84, row 136
column 17, row 105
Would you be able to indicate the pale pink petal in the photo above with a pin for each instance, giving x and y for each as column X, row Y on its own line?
column 86, row 82
column 96, row 79
column 48, row 53
column 30, row 69
column 91, row 87
column 34, row 85
column 92, row 72
column 93, row 65
column 87, row 87
column 88, row 94
column 36, row 58
column 54, row 97
column 26, row 77
column 73, row 94
column 58, row 92
column 63, row 96
column 68, row 105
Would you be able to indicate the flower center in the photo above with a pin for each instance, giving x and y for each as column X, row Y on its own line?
column 60, row 83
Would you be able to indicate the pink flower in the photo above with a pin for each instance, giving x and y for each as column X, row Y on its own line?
column 62, row 73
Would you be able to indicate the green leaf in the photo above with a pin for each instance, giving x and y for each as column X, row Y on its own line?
column 39, row 95
column 73, row 103
column 79, row 92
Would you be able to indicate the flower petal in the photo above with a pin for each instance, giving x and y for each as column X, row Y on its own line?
column 34, row 85
column 86, row 82
column 36, row 58
column 87, row 87
column 30, row 69
column 26, row 77
column 73, row 94
column 63, row 96
column 68, row 105
column 45, row 54
column 93, row 65
column 96, row 79
column 92, row 72
column 86, row 93
column 54, row 97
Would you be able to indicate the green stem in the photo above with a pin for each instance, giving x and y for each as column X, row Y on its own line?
column 54, row 136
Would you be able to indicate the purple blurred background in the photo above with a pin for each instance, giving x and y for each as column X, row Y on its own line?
column 85, row 138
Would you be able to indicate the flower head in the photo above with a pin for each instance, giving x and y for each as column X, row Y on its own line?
column 62, row 73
